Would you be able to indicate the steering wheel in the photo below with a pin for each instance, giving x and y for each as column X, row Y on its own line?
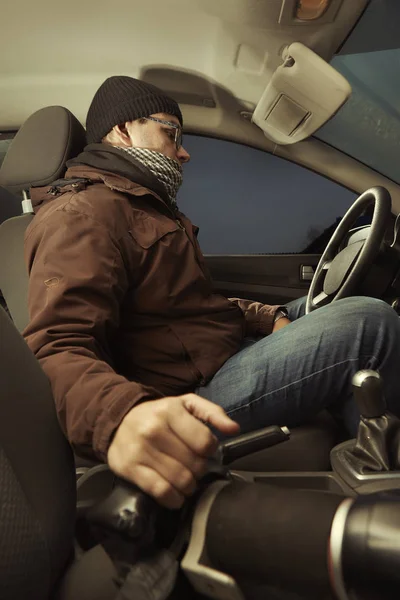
column 339, row 272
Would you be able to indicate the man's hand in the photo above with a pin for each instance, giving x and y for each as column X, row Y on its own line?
column 162, row 446
column 282, row 322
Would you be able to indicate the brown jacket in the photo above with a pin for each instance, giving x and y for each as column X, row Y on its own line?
column 121, row 303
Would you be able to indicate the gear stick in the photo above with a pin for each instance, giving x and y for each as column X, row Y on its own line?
column 368, row 394
column 377, row 446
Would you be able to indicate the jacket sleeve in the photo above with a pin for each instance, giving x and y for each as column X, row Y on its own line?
column 259, row 317
column 77, row 282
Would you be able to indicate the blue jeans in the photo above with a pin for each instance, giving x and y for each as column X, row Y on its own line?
column 289, row 376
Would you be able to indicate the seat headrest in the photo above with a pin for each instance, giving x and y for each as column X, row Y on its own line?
column 38, row 153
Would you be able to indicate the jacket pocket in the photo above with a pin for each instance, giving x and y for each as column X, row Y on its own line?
column 148, row 231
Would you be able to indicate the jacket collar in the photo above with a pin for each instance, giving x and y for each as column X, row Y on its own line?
column 79, row 177
column 114, row 161
column 101, row 163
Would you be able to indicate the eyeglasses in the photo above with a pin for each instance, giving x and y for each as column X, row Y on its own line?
column 177, row 129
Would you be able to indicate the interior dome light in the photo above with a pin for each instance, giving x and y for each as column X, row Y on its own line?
column 309, row 10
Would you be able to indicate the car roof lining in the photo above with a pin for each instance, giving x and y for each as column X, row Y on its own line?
column 217, row 59
column 53, row 56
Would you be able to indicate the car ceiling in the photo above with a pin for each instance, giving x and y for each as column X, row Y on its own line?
column 214, row 56
column 217, row 55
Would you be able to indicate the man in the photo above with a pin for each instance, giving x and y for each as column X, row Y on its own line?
column 141, row 354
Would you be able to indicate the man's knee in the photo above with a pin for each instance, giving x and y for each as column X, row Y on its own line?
column 365, row 304
column 374, row 311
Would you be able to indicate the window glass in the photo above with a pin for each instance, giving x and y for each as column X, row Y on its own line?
column 367, row 127
column 247, row 201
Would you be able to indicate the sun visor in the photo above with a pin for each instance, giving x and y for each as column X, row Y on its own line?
column 304, row 92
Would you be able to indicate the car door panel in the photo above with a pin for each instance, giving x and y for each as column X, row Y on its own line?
column 268, row 278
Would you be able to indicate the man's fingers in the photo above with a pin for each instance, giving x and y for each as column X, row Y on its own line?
column 152, row 483
column 174, row 447
column 193, row 433
column 161, row 465
column 210, row 413
column 171, row 470
column 190, row 424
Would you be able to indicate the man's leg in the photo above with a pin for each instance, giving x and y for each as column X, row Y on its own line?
column 289, row 376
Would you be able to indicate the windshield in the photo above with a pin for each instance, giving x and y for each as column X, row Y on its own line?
column 368, row 126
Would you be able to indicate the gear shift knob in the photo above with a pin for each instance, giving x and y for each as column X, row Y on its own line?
column 368, row 393
column 375, row 453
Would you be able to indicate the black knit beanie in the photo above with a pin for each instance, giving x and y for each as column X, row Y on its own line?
column 120, row 99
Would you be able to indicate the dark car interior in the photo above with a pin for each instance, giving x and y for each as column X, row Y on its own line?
column 299, row 514
column 70, row 529
column 314, row 440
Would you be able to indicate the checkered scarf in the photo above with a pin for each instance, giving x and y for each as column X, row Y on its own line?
column 165, row 169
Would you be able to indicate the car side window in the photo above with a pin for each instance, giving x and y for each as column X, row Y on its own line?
column 247, row 201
